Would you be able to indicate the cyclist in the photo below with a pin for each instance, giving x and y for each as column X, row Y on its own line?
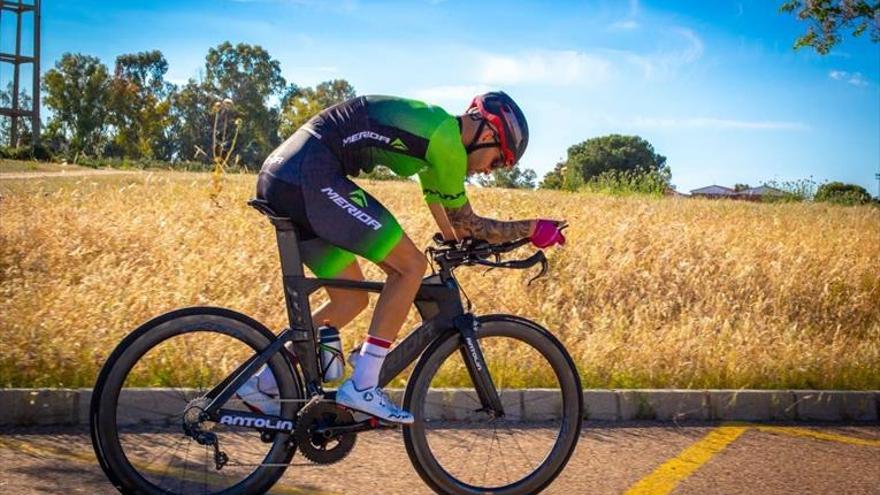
column 307, row 178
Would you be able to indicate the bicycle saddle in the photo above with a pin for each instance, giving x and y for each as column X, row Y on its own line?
column 262, row 206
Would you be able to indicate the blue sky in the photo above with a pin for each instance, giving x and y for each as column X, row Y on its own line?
column 714, row 86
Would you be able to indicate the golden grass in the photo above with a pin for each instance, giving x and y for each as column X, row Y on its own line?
column 647, row 293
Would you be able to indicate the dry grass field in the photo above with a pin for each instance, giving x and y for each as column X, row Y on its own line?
column 647, row 293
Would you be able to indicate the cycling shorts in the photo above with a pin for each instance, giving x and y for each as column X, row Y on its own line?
column 336, row 219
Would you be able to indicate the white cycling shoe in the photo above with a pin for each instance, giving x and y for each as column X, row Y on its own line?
column 372, row 401
column 256, row 400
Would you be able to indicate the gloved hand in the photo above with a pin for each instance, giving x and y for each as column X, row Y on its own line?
column 547, row 233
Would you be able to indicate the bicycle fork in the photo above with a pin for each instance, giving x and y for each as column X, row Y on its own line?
column 478, row 370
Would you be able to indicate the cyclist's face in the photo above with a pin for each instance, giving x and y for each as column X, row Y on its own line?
column 485, row 160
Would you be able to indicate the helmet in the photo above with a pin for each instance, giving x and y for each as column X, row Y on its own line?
column 504, row 115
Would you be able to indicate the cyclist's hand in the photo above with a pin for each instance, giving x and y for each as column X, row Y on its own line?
column 548, row 233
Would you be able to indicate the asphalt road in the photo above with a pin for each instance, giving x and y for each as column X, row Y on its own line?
column 623, row 458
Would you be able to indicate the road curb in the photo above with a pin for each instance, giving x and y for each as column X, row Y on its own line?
column 22, row 407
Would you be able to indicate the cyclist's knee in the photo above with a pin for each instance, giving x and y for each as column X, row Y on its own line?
column 405, row 261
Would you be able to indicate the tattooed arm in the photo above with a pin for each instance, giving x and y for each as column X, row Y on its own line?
column 467, row 223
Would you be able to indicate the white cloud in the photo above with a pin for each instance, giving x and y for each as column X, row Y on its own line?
column 633, row 8
column 694, row 50
column 664, row 63
column 716, row 123
column 854, row 78
column 627, row 25
column 549, row 67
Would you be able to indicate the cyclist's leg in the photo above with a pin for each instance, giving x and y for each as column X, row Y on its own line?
column 405, row 266
column 346, row 216
column 344, row 305
column 349, row 218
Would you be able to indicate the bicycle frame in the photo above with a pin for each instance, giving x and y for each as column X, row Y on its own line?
column 438, row 301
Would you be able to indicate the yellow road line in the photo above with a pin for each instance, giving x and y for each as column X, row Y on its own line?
column 664, row 479
column 818, row 435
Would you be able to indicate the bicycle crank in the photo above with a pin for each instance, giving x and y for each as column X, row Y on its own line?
column 317, row 436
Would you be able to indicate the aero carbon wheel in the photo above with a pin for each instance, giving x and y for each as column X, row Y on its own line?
column 159, row 372
column 469, row 452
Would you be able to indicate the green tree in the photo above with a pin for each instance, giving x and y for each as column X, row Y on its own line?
column 139, row 104
column 554, row 179
column 250, row 77
column 828, row 17
column 303, row 103
column 24, row 123
column 840, row 193
column 596, row 156
column 509, row 178
column 741, row 187
column 192, row 121
column 76, row 91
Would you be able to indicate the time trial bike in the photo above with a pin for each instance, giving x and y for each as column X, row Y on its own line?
column 165, row 417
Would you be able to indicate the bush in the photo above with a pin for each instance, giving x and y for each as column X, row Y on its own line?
column 628, row 182
column 38, row 152
column 842, row 194
column 792, row 191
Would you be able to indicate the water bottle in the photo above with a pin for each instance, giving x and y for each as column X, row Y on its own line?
column 331, row 352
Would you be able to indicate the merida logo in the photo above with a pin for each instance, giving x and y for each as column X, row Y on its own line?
column 351, row 209
column 365, row 135
column 358, row 197
column 269, row 424
column 397, row 143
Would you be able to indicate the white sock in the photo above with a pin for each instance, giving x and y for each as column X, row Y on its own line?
column 369, row 364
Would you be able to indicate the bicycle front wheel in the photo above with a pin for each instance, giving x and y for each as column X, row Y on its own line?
column 457, row 448
column 159, row 373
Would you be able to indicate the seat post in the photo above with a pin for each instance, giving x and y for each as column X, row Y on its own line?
column 298, row 309
column 288, row 247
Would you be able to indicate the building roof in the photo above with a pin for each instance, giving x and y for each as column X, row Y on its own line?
column 760, row 191
column 713, row 189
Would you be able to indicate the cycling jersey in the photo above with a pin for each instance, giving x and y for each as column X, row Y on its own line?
column 407, row 136
column 306, row 178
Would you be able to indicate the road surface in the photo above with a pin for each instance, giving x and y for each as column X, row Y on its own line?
column 639, row 457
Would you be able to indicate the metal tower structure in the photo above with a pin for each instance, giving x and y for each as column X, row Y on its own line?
column 15, row 112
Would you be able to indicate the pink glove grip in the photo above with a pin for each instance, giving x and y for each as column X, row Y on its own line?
column 547, row 234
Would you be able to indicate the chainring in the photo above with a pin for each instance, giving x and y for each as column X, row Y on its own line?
column 314, row 446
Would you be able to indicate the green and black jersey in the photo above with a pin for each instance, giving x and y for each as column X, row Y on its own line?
column 407, row 136
column 307, row 177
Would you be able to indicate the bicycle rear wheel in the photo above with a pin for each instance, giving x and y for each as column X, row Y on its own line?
column 466, row 451
column 154, row 375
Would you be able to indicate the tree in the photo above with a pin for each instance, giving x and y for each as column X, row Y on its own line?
column 140, row 110
column 840, row 193
column 192, row 121
column 24, row 124
column 76, row 91
column 250, row 77
column 554, row 179
column 303, row 103
column 509, row 178
column 741, row 187
column 828, row 17
column 595, row 156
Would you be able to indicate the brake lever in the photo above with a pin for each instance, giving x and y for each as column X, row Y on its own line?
column 544, row 266
column 492, row 267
